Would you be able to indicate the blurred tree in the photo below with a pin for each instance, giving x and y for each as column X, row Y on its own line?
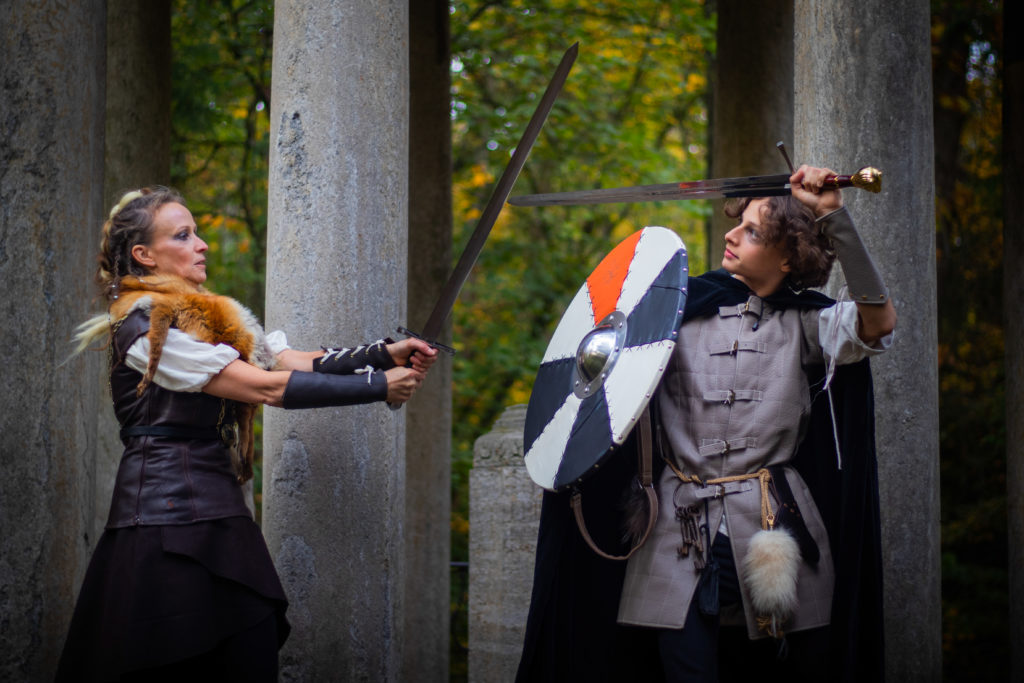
column 220, row 106
column 967, row 66
column 220, row 121
column 632, row 112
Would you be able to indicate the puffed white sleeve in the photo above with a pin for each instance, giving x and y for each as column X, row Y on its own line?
column 838, row 337
column 277, row 342
column 185, row 364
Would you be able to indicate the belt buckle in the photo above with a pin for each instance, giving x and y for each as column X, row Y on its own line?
column 228, row 435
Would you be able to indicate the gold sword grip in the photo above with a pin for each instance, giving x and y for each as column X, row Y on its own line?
column 867, row 178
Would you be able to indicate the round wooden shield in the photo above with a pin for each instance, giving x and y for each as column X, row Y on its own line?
column 606, row 358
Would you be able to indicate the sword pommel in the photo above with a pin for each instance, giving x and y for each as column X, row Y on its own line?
column 867, row 178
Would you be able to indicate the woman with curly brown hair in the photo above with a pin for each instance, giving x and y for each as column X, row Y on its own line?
column 181, row 585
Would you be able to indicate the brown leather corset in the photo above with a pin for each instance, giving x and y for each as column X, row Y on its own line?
column 168, row 479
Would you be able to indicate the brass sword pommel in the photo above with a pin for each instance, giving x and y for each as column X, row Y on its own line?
column 868, row 178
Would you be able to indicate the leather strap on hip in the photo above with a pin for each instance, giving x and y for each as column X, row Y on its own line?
column 644, row 476
column 172, row 431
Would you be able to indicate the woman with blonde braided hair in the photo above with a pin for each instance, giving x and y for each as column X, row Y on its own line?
column 181, row 585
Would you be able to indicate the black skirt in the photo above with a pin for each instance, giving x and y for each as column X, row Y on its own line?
column 154, row 595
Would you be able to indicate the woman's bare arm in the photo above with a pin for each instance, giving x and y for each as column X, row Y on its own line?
column 291, row 359
column 240, row 381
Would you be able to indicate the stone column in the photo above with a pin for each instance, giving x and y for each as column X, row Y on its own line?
column 752, row 98
column 1013, row 294
column 863, row 96
column 504, row 511
column 334, row 478
column 137, row 153
column 429, row 414
column 52, row 61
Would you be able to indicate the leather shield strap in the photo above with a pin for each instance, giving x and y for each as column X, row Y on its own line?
column 644, row 474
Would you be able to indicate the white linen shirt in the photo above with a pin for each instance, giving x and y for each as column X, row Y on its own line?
column 187, row 364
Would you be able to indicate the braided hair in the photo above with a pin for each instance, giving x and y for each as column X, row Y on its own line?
column 130, row 223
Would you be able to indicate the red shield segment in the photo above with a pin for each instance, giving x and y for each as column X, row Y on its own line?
column 605, row 358
column 605, row 283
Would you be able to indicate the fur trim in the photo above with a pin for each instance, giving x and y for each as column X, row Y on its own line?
column 92, row 330
column 262, row 356
column 770, row 572
column 636, row 508
column 175, row 302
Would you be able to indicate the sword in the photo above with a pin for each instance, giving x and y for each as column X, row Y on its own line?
column 867, row 178
column 446, row 300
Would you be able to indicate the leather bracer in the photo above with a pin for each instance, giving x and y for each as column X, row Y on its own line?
column 318, row 390
column 863, row 280
column 346, row 361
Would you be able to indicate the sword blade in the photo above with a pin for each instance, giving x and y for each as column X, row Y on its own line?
column 747, row 186
column 446, row 300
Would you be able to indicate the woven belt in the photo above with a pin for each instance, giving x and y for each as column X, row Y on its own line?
column 763, row 475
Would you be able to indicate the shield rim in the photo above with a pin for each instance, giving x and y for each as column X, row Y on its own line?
column 666, row 345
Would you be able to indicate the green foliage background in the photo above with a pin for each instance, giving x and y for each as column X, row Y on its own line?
column 967, row 67
column 633, row 112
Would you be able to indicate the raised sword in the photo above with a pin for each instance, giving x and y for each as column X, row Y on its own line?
column 867, row 178
column 446, row 300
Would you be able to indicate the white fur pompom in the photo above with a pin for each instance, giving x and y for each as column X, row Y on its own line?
column 770, row 572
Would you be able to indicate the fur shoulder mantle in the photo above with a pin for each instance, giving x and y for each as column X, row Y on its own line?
column 175, row 302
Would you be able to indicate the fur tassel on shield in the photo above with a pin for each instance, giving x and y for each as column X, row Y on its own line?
column 770, row 572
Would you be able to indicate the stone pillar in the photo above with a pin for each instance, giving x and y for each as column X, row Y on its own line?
column 504, row 512
column 137, row 153
column 334, row 478
column 429, row 414
column 863, row 96
column 138, row 129
column 52, row 61
column 752, row 98
column 1013, row 294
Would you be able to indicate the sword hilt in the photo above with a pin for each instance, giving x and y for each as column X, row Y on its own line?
column 867, row 178
column 433, row 343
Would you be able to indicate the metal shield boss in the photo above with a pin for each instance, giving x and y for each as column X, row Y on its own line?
column 606, row 358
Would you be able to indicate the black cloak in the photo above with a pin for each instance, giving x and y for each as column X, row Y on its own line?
column 571, row 630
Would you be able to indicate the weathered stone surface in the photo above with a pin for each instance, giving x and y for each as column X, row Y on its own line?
column 429, row 414
column 752, row 101
column 137, row 153
column 138, row 124
column 504, row 510
column 51, row 208
column 334, row 478
column 863, row 96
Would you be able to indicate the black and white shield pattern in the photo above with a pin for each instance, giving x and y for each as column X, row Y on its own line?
column 605, row 358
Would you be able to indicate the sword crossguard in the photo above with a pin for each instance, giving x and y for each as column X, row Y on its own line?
column 433, row 343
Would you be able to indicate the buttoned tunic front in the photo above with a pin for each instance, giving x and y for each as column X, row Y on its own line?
column 735, row 399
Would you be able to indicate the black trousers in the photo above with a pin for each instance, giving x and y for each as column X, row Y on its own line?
column 703, row 651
